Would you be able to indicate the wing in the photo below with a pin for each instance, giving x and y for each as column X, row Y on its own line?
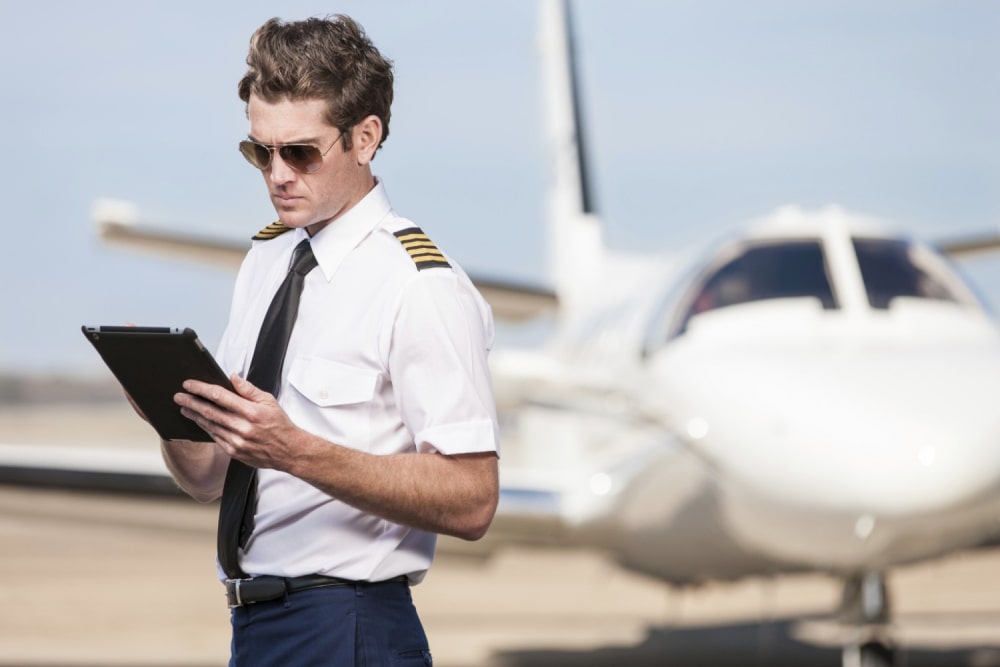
column 572, row 443
column 516, row 302
column 131, row 470
column 117, row 225
column 962, row 247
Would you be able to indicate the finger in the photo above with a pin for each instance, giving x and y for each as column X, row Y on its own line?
column 219, row 423
column 213, row 393
column 249, row 390
column 230, row 441
column 200, row 410
column 207, row 425
column 219, row 434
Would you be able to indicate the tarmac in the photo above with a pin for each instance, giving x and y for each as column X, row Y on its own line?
column 106, row 580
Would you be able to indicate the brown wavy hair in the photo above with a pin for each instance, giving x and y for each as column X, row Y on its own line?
column 330, row 59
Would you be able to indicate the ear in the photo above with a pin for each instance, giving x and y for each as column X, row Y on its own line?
column 365, row 137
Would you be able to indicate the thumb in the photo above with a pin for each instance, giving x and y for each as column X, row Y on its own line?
column 247, row 389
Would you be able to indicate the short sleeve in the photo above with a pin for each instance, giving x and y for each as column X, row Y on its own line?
column 438, row 365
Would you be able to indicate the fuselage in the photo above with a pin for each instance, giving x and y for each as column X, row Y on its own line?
column 825, row 394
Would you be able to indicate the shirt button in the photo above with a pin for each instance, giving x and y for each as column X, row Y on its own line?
column 323, row 394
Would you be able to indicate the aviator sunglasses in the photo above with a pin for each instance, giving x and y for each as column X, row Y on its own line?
column 303, row 158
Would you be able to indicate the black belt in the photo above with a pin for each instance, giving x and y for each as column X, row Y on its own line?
column 261, row 589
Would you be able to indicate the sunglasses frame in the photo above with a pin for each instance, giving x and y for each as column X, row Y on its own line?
column 248, row 149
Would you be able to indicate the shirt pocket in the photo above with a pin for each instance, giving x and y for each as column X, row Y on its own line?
column 329, row 383
column 332, row 400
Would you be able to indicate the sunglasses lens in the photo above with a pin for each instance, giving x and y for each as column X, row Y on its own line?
column 302, row 157
column 256, row 154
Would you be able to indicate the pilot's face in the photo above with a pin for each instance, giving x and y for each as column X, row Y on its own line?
column 343, row 178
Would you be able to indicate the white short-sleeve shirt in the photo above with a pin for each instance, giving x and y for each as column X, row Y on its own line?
column 385, row 357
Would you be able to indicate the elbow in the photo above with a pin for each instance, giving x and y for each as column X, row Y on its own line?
column 476, row 522
column 203, row 497
column 198, row 471
column 202, row 494
column 476, row 533
column 485, row 496
column 202, row 489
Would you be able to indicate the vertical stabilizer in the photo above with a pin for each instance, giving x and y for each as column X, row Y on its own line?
column 576, row 254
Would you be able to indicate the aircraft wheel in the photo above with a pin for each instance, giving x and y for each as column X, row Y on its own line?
column 877, row 654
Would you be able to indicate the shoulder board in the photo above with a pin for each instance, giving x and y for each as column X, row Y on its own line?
column 274, row 229
column 422, row 251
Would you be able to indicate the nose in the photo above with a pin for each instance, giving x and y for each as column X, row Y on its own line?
column 279, row 172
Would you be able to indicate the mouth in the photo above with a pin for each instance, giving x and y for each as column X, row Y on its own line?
column 282, row 199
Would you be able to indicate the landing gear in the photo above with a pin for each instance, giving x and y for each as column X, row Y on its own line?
column 865, row 609
column 869, row 654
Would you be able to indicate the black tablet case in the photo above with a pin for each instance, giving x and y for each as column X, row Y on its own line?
column 151, row 363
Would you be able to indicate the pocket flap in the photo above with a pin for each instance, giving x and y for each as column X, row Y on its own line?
column 326, row 382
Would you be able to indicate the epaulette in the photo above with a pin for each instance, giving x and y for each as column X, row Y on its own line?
column 422, row 250
column 276, row 228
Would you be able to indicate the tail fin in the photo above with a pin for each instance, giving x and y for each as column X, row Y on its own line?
column 576, row 248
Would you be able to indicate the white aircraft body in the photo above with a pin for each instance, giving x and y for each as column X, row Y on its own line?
column 812, row 394
column 797, row 405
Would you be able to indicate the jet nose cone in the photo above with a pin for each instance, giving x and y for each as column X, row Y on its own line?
column 904, row 433
column 881, row 430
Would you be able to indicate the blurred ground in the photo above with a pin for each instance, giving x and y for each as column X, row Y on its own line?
column 95, row 579
column 102, row 580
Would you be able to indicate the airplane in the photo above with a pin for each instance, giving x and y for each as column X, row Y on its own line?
column 809, row 394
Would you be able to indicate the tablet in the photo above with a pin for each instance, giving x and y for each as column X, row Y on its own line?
column 151, row 363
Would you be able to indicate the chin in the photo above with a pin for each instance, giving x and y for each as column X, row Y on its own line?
column 292, row 220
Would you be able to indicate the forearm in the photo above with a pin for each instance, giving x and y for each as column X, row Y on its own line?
column 199, row 468
column 451, row 495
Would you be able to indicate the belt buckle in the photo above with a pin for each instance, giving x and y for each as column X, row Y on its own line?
column 233, row 592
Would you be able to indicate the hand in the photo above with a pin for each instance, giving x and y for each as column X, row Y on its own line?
column 249, row 424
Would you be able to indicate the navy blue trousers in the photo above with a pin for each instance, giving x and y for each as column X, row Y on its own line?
column 361, row 625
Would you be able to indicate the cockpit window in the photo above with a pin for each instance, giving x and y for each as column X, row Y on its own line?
column 767, row 271
column 891, row 268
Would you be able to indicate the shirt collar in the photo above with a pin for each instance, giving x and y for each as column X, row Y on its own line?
column 335, row 241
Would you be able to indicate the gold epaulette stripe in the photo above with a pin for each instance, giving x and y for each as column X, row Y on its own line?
column 421, row 249
column 274, row 229
column 425, row 250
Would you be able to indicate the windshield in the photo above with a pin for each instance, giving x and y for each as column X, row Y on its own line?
column 893, row 268
column 774, row 271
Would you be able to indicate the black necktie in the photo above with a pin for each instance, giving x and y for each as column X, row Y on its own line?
column 239, row 494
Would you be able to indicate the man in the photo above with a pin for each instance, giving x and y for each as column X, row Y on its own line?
column 381, row 429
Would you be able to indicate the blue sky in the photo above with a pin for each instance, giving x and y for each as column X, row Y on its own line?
column 700, row 114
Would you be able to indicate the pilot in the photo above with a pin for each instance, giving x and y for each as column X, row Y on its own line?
column 351, row 442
